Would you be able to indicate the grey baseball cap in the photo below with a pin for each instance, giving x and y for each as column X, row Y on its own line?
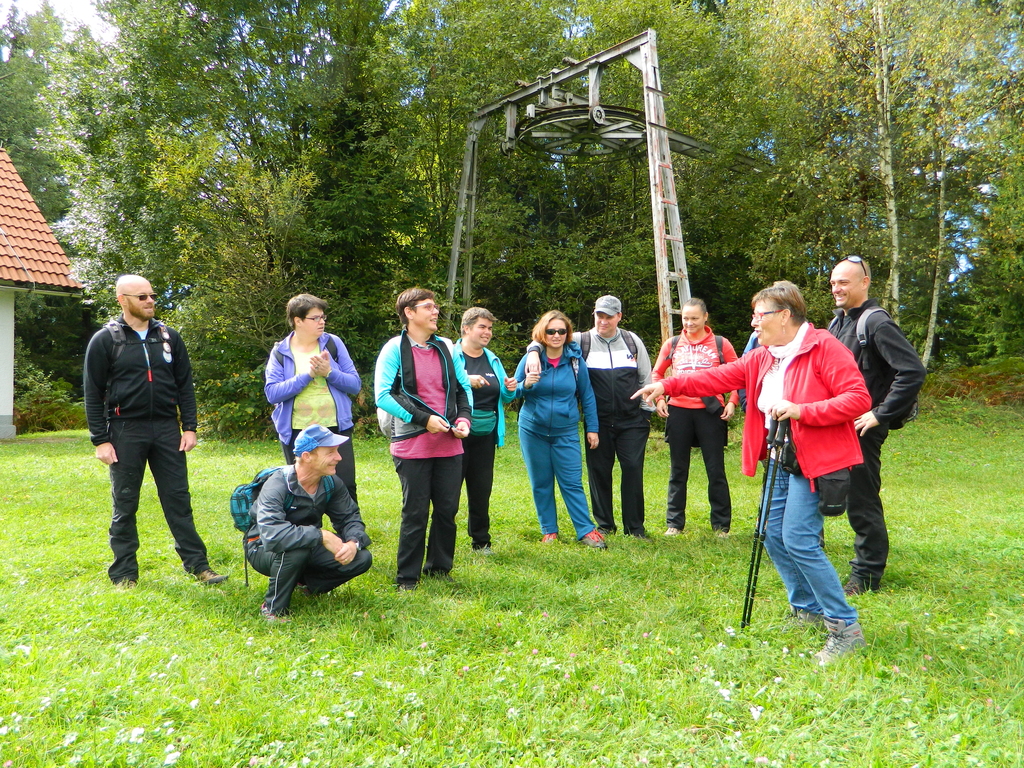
column 609, row 305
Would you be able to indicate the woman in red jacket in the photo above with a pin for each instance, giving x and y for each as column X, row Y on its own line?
column 805, row 375
column 690, row 421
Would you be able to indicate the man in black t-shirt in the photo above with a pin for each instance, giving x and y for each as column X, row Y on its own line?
column 491, row 388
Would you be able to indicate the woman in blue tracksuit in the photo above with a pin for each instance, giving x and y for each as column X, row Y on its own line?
column 549, row 428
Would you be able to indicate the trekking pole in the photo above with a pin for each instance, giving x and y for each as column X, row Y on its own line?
column 776, row 438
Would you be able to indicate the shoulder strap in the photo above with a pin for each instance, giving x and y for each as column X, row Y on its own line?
column 863, row 360
column 672, row 351
column 117, row 334
column 585, row 341
column 630, row 338
column 332, row 347
column 862, row 324
column 718, row 346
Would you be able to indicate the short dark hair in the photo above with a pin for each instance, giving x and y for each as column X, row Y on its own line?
column 408, row 298
column 473, row 314
column 299, row 306
column 542, row 324
column 783, row 295
column 695, row 302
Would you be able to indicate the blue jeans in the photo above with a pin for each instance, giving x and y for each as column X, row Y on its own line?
column 548, row 458
column 793, row 542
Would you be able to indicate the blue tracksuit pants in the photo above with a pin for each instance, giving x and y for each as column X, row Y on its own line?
column 558, row 457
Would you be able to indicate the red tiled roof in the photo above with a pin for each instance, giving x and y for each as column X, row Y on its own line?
column 29, row 253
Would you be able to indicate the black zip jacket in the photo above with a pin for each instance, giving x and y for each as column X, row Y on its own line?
column 892, row 370
column 141, row 384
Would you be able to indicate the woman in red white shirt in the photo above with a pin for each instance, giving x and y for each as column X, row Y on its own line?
column 695, row 421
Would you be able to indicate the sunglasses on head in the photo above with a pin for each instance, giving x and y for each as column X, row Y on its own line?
column 556, row 331
column 859, row 260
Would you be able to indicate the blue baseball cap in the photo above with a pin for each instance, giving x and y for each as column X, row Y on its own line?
column 314, row 436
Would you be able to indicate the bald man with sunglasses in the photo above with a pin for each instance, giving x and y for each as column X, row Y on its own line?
column 141, row 407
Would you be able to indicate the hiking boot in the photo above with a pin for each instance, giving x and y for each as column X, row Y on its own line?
column 722, row 533
column 806, row 618
column 594, row 539
column 125, row 584
column 549, row 538
column 670, row 531
column 642, row 536
column 210, row 577
column 484, row 550
column 272, row 618
column 406, row 586
column 858, row 586
column 605, row 531
column 439, row 576
column 842, row 639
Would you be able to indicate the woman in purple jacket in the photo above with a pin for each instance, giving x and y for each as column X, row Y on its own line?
column 310, row 380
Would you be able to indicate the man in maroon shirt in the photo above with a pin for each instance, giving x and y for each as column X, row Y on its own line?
column 428, row 398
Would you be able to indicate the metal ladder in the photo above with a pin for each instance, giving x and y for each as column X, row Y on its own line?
column 668, row 232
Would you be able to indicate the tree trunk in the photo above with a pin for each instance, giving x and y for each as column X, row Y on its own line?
column 883, row 106
column 940, row 248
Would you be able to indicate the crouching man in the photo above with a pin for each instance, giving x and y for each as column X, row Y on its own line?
column 287, row 542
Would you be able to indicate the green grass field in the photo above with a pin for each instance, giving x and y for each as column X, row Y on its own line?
column 538, row 655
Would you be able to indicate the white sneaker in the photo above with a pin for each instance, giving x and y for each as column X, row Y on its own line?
column 670, row 531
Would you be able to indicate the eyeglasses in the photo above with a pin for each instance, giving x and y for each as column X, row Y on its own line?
column 556, row 331
column 757, row 317
column 859, row 260
column 141, row 296
column 430, row 306
column 316, row 318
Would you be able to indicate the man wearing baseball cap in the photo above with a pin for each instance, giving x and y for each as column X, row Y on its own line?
column 287, row 542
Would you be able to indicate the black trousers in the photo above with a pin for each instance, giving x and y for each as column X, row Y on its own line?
column 628, row 444
column 867, row 518
column 478, row 475
column 138, row 442
column 425, row 482
column 313, row 566
column 346, row 469
column 683, row 428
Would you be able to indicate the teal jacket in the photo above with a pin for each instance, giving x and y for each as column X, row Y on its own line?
column 550, row 406
column 504, row 396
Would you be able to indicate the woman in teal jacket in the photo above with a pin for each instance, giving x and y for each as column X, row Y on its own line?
column 549, row 428
column 492, row 388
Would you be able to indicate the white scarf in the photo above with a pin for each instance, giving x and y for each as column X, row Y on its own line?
column 772, row 384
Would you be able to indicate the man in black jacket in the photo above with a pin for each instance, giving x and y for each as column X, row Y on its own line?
column 894, row 375
column 288, row 542
column 138, row 381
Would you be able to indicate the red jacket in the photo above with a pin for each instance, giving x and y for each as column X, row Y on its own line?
column 689, row 357
column 823, row 379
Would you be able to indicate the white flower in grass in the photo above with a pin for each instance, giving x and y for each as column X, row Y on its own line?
column 194, row 703
column 70, row 738
column 730, row 632
column 137, row 735
column 323, row 720
column 357, row 674
column 45, row 702
column 726, row 693
column 172, row 758
column 26, row 649
column 755, row 712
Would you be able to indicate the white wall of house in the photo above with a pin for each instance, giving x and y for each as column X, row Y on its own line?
column 6, row 364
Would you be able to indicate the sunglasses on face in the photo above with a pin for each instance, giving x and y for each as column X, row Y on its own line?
column 556, row 331
column 141, row 296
